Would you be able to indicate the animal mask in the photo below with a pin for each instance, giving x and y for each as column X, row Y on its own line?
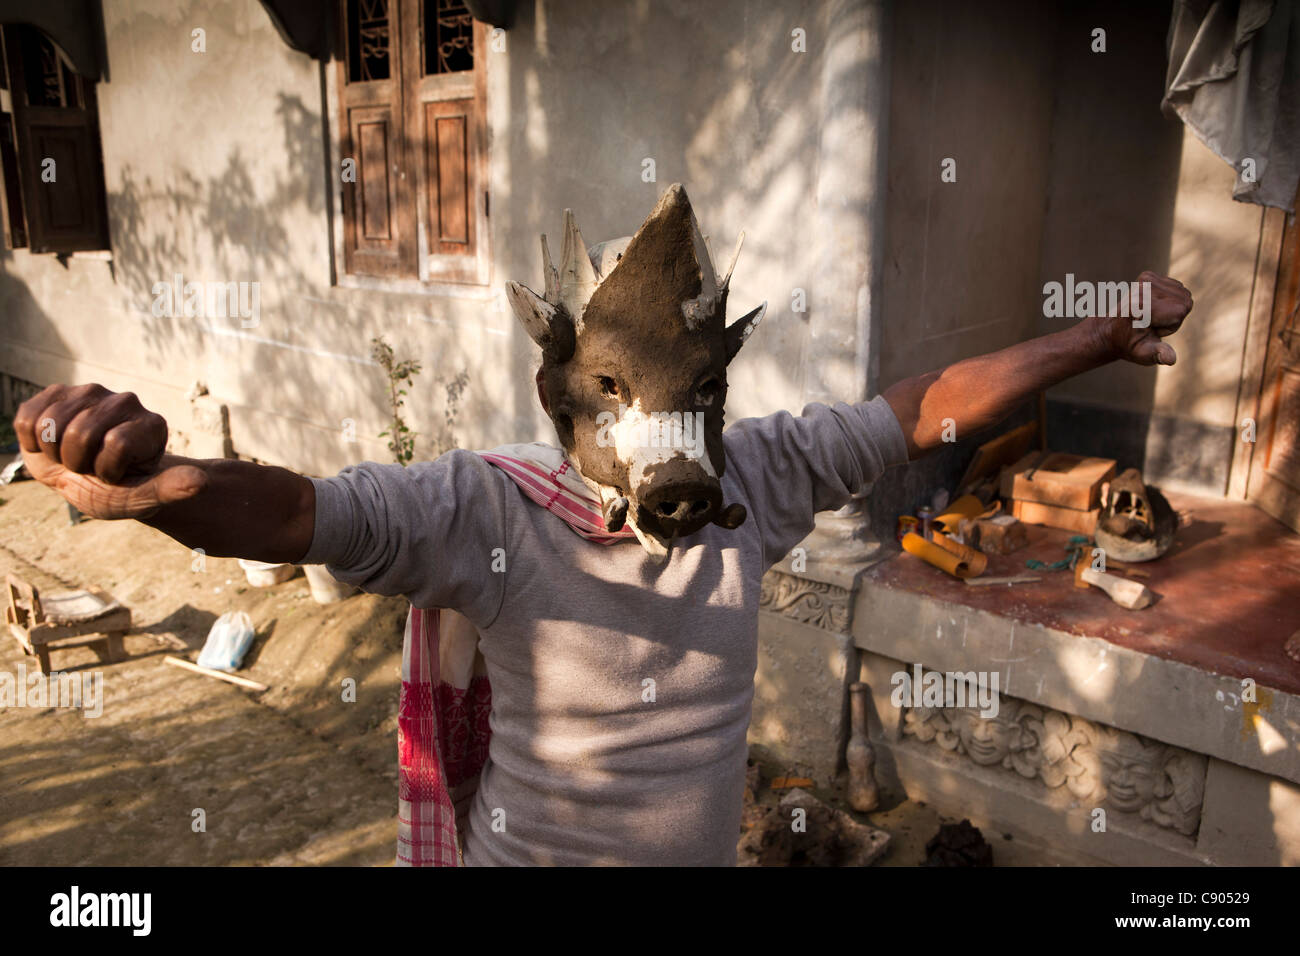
column 635, row 348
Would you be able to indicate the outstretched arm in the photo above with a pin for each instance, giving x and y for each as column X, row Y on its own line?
column 981, row 391
column 103, row 451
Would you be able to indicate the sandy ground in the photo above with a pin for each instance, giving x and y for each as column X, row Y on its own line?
column 294, row 775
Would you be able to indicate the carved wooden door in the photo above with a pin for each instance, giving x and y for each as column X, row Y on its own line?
column 1275, row 467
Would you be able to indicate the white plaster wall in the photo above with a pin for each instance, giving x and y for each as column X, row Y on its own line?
column 215, row 165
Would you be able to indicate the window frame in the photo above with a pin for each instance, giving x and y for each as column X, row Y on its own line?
column 29, row 215
column 409, row 100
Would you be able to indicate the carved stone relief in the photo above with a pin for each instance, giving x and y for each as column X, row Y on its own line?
column 1098, row 764
column 810, row 602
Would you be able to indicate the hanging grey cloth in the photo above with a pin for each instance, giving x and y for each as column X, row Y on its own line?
column 1234, row 79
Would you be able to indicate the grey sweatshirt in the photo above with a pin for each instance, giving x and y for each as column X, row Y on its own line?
column 621, row 689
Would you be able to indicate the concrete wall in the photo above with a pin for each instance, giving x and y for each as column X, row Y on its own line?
column 1130, row 190
column 970, row 82
column 1065, row 164
column 973, row 83
column 1174, row 422
column 216, row 167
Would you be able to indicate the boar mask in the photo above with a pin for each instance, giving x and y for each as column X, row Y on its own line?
column 635, row 348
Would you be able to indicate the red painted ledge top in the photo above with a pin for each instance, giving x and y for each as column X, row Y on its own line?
column 1228, row 592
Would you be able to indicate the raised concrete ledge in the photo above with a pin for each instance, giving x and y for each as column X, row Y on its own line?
column 1167, row 700
column 1244, row 817
column 1000, row 803
column 800, row 717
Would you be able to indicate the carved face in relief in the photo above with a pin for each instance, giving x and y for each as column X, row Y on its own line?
column 635, row 349
column 1130, row 773
column 1122, row 767
column 989, row 740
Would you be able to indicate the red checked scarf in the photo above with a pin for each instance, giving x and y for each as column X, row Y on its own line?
column 442, row 715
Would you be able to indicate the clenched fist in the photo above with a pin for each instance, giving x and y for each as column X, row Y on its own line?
column 102, row 451
column 1170, row 303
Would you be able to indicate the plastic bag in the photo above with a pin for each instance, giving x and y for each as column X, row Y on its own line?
column 228, row 641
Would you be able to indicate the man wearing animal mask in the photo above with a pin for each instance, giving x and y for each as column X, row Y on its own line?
column 580, row 656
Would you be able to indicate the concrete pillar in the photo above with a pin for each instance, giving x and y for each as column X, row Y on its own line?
column 807, row 658
column 843, row 361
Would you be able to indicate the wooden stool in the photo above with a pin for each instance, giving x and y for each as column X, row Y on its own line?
column 66, row 619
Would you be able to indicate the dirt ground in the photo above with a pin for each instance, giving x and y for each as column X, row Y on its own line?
column 294, row 775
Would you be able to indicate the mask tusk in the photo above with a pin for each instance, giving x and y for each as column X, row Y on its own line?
column 731, row 517
column 615, row 514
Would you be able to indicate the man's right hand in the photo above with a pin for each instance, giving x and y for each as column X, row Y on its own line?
column 102, row 451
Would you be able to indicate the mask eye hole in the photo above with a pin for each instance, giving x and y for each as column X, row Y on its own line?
column 708, row 390
column 608, row 387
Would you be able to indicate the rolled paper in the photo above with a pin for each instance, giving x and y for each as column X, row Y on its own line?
column 967, row 506
column 977, row 561
column 932, row 553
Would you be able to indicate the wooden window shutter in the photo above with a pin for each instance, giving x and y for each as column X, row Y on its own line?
column 15, row 221
column 55, row 117
column 445, row 76
column 378, row 205
column 449, row 131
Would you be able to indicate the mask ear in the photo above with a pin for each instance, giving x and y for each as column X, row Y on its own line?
column 737, row 332
column 549, row 327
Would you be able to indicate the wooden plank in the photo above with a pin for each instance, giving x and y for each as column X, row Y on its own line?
column 371, row 135
column 449, row 128
column 209, row 672
column 1260, row 314
column 119, row 620
column 447, row 124
column 20, row 633
column 379, row 235
column 1274, row 484
column 11, row 197
column 72, row 640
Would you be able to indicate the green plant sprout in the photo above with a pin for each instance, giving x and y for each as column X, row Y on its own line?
column 401, row 440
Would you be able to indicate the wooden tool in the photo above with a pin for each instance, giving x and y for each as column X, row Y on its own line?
column 864, row 792
column 1013, row 579
column 1133, row 595
column 209, row 672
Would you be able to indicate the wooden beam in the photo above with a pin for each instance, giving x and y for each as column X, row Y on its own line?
column 209, row 672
